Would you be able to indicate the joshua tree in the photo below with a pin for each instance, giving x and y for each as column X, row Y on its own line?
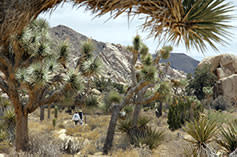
column 197, row 23
column 143, row 80
column 30, row 84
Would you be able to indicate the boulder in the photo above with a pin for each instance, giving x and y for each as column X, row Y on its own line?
column 224, row 66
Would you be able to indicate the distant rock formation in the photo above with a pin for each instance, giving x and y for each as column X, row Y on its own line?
column 116, row 58
column 224, row 66
column 182, row 62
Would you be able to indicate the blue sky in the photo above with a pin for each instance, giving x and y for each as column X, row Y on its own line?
column 119, row 31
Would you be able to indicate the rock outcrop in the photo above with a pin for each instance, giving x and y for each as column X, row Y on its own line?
column 116, row 58
column 225, row 68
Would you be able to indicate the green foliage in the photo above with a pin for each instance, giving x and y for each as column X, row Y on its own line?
column 87, row 48
column 91, row 101
column 149, row 73
column 113, row 97
column 128, row 109
column 164, row 89
column 202, row 132
column 137, row 43
column 165, row 52
column 92, row 67
column 228, row 137
column 102, row 84
column 183, row 109
column 54, row 122
column 3, row 135
column 144, row 50
column 203, row 77
column 9, row 117
column 142, row 134
column 147, row 60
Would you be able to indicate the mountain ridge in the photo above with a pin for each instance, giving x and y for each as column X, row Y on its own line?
column 115, row 57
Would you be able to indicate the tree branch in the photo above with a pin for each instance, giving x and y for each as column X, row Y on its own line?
column 150, row 99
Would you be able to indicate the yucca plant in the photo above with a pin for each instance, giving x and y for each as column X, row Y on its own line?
column 228, row 137
column 142, row 134
column 202, row 132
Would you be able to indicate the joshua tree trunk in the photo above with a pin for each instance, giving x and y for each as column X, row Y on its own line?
column 21, row 131
column 111, row 129
column 41, row 113
column 136, row 113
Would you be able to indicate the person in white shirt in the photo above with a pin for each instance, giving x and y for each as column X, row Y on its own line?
column 76, row 118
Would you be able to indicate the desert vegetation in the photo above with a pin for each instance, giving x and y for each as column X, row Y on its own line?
column 151, row 115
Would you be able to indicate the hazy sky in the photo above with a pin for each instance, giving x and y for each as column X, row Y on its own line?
column 120, row 31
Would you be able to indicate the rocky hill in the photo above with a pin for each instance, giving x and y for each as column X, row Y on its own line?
column 115, row 57
column 181, row 61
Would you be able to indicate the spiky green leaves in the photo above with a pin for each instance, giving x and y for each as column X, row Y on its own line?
column 74, row 81
column 228, row 137
column 92, row 67
column 113, row 97
column 87, row 49
column 202, row 132
column 63, row 53
column 149, row 73
column 137, row 43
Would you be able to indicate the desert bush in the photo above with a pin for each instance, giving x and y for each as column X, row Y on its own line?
column 43, row 145
column 220, row 103
column 203, row 77
column 228, row 137
column 183, row 109
column 128, row 109
column 102, row 84
column 70, row 147
column 202, row 132
column 142, row 134
column 91, row 101
column 9, row 123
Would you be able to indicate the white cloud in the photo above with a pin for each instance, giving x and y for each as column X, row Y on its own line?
column 118, row 31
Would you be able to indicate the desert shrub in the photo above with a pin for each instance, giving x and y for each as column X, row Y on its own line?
column 44, row 145
column 102, row 84
column 128, row 109
column 220, row 103
column 3, row 135
column 91, row 101
column 183, row 109
column 203, row 77
column 118, row 87
column 9, row 123
column 228, row 137
column 142, row 134
column 70, row 147
column 202, row 132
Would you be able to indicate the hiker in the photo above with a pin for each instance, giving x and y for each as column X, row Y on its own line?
column 76, row 118
column 81, row 117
